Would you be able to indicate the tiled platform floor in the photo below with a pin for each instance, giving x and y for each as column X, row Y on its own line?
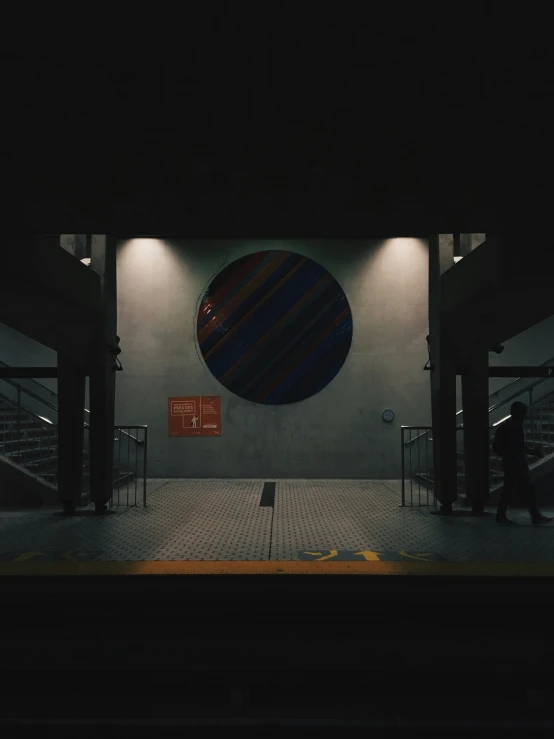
column 318, row 520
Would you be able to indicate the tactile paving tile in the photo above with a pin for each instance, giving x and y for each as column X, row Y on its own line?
column 184, row 519
column 223, row 520
column 365, row 515
column 340, row 514
column 483, row 540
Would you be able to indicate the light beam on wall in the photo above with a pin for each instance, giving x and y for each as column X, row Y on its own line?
column 144, row 246
column 393, row 263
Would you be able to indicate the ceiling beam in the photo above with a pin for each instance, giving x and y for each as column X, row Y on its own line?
column 49, row 296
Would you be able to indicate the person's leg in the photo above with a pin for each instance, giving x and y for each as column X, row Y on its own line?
column 528, row 493
column 506, row 494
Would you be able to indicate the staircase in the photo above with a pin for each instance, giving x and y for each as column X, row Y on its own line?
column 539, row 432
column 30, row 442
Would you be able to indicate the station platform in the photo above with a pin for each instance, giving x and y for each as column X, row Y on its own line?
column 278, row 527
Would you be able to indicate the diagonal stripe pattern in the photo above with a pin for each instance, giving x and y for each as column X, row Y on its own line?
column 274, row 327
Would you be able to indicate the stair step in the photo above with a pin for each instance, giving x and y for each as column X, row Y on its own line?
column 12, row 428
column 31, row 442
column 118, row 482
column 26, row 457
column 121, row 481
column 45, row 464
column 9, row 409
column 14, row 421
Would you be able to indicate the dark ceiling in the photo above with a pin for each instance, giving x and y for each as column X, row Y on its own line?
column 247, row 121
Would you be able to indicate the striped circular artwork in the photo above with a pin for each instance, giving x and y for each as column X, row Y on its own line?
column 274, row 327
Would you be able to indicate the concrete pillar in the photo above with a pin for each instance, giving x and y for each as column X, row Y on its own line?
column 475, row 402
column 102, row 375
column 465, row 244
column 71, row 419
column 457, row 239
column 443, row 379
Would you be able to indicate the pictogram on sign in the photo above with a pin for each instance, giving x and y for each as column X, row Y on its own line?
column 194, row 415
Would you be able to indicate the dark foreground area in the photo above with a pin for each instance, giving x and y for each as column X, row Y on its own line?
column 158, row 656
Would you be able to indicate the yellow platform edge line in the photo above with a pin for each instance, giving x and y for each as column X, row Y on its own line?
column 189, row 567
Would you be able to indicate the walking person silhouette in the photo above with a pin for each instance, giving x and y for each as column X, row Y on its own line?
column 509, row 443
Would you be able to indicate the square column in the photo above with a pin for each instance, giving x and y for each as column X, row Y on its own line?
column 102, row 375
column 443, row 380
column 71, row 422
column 475, row 403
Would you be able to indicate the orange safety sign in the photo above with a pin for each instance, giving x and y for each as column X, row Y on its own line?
column 194, row 415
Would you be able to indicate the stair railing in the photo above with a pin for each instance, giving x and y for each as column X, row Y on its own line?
column 501, row 390
column 424, row 477
column 22, row 438
column 35, row 382
column 132, row 464
column 21, row 389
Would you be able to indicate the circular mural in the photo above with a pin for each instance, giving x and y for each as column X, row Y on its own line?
column 274, row 327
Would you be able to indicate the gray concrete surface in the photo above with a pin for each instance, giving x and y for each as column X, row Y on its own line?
column 311, row 519
column 337, row 433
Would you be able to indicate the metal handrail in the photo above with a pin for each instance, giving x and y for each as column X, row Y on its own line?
column 117, row 429
column 428, row 429
column 513, row 382
column 53, row 407
column 491, row 409
column 144, row 442
column 30, row 393
column 52, row 392
column 136, row 426
column 516, row 395
column 31, row 413
column 512, row 397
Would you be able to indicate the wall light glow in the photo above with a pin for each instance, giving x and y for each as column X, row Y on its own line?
column 144, row 245
column 147, row 267
column 403, row 243
column 141, row 253
column 401, row 251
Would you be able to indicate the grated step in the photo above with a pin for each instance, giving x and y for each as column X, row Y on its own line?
column 51, row 439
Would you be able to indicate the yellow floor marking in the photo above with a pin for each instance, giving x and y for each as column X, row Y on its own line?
column 369, row 556
column 276, row 567
column 26, row 556
column 333, row 553
column 417, row 557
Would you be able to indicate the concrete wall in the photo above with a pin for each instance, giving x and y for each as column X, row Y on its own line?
column 338, row 433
